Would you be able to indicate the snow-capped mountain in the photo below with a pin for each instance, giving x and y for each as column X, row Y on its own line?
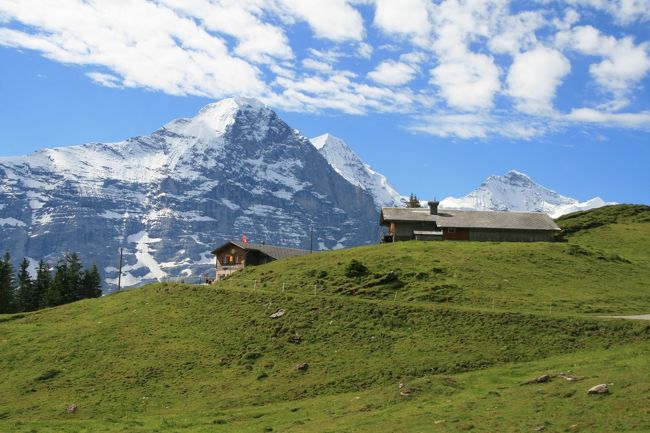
column 350, row 166
column 516, row 191
column 171, row 197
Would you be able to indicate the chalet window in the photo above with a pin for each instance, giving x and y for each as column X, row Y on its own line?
column 451, row 230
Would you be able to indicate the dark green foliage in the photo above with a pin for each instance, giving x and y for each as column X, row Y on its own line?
column 413, row 201
column 356, row 269
column 25, row 299
column 7, row 286
column 91, row 283
column 42, row 283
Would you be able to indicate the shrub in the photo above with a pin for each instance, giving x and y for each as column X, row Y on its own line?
column 356, row 269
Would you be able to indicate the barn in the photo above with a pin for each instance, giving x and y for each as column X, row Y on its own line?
column 233, row 256
column 432, row 223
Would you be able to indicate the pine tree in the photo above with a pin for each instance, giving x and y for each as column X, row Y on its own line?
column 42, row 283
column 57, row 292
column 25, row 300
column 92, row 283
column 413, row 201
column 74, row 277
column 7, row 286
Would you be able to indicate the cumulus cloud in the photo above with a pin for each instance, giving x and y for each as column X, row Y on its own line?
column 468, row 83
column 624, row 11
column 624, row 63
column 493, row 67
column 392, row 73
column 147, row 45
column 405, row 17
column 534, row 78
column 335, row 19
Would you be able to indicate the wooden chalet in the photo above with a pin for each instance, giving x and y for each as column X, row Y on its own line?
column 233, row 256
column 432, row 223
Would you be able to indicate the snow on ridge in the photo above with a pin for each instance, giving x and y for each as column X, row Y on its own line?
column 348, row 164
column 11, row 222
column 516, row 191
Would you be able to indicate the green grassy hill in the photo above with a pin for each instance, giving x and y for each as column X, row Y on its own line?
column 461, row 325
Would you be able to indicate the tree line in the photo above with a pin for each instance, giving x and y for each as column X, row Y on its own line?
column 69, row 281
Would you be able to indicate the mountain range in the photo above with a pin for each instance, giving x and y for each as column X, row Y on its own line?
column 167, row 199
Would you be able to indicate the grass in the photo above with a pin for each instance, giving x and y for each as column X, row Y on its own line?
column 462, row 325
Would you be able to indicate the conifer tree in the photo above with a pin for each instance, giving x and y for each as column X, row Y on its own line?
column 7, row 286
column 57, row 292
column 42, row 283
column 413, row 201
column 74, row 278
column 25, row 300
column 92, row 283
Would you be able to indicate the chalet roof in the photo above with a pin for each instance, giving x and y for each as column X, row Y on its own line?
column 471, row 219
column 270, row 250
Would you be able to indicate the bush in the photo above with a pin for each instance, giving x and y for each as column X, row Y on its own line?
column 356, row 269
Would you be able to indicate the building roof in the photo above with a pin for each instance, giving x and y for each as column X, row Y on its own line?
column 270, row 250
column 471, row 219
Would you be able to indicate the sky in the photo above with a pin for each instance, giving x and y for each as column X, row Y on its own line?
column 436, row 95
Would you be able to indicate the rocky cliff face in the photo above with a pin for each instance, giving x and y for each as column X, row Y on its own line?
column 169, row 198
column 354, row 170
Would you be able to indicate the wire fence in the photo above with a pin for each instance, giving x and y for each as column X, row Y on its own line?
column 493, row 303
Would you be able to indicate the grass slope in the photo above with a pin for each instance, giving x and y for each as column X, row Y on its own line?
column 178, row 358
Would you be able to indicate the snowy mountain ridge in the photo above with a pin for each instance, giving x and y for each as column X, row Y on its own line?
column 170, row 197
column 517, row 192
column 354, row 170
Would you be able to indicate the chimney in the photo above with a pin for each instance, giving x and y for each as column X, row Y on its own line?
column 433, row 206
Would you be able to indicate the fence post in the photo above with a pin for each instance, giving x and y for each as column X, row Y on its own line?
column 283, row 287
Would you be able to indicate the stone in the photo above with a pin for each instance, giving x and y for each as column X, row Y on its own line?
column 599, row 389
column 303, row 366
column 71, row 408
column 541, row 379
column 279, row 313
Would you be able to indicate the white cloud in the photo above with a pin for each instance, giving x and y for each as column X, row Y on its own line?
column 475, row 125
column 534, row 78
column 624, row 64
column 257, row 41
column 316, row 65
column 402, row 17
column 145, row 44
column 334, row 19
column 392, row 73
column 468, row 83
column 106, row 80
column 516, row 33
column 312, row 55
column 625, row 11
column 630, row 120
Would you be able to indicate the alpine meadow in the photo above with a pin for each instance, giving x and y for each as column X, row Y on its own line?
column 311, row 216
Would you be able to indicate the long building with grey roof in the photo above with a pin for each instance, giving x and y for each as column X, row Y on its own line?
column 432, row 223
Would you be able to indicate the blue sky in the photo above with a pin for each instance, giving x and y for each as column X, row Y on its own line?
column 436, row 95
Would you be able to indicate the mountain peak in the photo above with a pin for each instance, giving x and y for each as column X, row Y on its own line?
column 234, row 105
column 516, row 191
column 215, row 118
column 325, row 140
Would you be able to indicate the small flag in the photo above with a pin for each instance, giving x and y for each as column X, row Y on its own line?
column 244, row 239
